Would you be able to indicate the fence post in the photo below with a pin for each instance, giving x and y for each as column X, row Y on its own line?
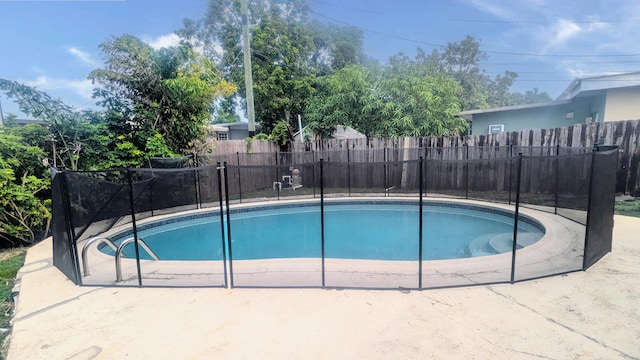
column 349, row 171
column 466, row 168
column 239, row 178
column 516, row 216
column 420, row 230
column 224, row 252
column 384, row 158
column 198, row 195
column 68, row 222
column 322, row 218
column 555, row 206
column 134, row 227
column 313, row 174
column 510, row 170
column 277, row 176
column 226, row 195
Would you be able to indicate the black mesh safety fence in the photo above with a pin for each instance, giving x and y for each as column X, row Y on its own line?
column 574, row 178
column 445, row 178
column 171, row 162
column 186, row 249
column 461, row 220
column 64, row 252
column 553, row 198
column 169, row 191
column 489, row 179
column 373, row 241
column 276, row 247
column 208, row 192
column 539, row 183
column 601, row 205
column 254, row 182
column 442, row 153
column 99, row 201
column 396, row 218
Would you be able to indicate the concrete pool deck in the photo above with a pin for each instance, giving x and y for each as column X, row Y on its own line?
column 583, row 315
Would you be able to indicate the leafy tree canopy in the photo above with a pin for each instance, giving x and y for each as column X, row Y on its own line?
column 147, row 92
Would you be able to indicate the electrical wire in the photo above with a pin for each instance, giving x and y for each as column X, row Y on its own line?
column 486, row 51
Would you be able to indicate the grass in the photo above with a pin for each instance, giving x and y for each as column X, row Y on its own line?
column 10, row 262
column 628, row 208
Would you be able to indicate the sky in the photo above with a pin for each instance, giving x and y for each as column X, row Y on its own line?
column 54, row 45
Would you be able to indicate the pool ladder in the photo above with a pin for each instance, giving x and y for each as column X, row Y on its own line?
column 119, row 255
column 118, row 252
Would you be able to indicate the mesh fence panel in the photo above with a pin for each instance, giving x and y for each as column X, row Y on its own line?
column 252, row 183
column 574, row 172
column 171, row 163
column 169, row 191
column 99, row 201
column 445, row 178
column 601, row 205
column 489, row 180
column 295, row 181
column 63, row 252
column 277, row 248
column 294, row 158
column 457, row 153
column 561, row 248
column 282, row 246
column 207, row 179
column 538, row 185
column 189, row 251
column 356, row 259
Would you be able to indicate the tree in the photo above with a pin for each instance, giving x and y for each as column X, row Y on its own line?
column 530, row 97
column 70, row 130
column 335, row 47
column 340, row 99
column 282, row 82
column 419, row 100
column 147, row 92
column 23, row 214
column 406, row 98
column 288, row 51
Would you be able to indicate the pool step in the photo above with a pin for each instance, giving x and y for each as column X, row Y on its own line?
column 491, row 244
column 480, row 246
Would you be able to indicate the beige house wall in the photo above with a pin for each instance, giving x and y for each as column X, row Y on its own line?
column 622, row 104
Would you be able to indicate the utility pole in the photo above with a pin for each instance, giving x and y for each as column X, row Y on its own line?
column 248, row 76
column 1, row 115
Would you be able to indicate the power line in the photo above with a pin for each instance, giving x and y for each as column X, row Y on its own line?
column 580, row 63
column 544, row 22
column 607, row 21
column 486, row 51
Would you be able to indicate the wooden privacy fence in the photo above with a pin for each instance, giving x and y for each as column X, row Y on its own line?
column 538, row 142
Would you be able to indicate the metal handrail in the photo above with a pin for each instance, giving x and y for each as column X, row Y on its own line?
column 119, row 255
column 85, row 248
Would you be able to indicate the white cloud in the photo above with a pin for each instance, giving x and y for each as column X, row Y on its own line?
column 83, row 56
column 563, row 30
column 162, row 41
column 495, row 9
column 79, row 88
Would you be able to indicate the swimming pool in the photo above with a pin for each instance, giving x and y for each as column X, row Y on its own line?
column 374, row 230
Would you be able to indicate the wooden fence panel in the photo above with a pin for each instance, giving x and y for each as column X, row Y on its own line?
column 625, row 134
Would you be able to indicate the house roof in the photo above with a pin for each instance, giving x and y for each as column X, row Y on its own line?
column 588, row 85
column 579, row 87
column 468, row 115
column 341, row 132
column 347, row 132
column 23, row 122
column 237, row 125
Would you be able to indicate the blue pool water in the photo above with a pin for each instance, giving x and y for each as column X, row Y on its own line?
column 363, row 231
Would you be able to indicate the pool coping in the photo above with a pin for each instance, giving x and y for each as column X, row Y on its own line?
column 558, row 251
